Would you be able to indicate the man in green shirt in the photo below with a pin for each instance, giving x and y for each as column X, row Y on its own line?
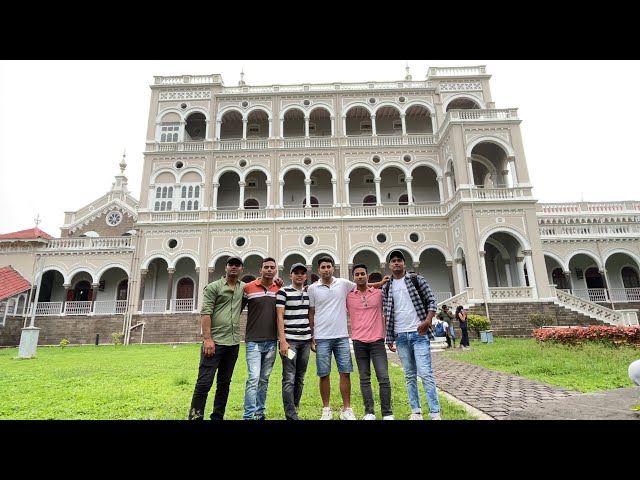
column 220, row 317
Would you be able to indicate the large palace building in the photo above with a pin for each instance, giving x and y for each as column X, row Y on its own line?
column 296, row 172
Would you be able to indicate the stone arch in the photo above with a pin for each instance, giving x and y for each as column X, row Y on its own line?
column 362, row 164
column 330, row 168
column 162, row 170
column 227, row 169
column 288, row 108
column 192, row 169
column 113, row 265
column 429, row 164
column 501, row 248
column 66, row 278
column 256, row 168
column 368, row 248
column 467, row 96
column 491, row 139
column 432, row 246
column 581, row 251
column 623, row 251
column 161, row 114
column 180, row 256
column 557, row 258
column 225, row 110
column 257, row 107
column 293, row 251
column 355, row 104
column 224, row 254
column 422, row 103
column 288, row 168
column 152, row 257
column 524, row 243
column 83, row 269
column 403, row 248
column 323, row 105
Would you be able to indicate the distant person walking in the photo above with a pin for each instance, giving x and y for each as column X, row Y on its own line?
column 364, row 305
column 220, row 320
column 446, row 315
column 408, row 320
column 461, row 315
column 294, row 333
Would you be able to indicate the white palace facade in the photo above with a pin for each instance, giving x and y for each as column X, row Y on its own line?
column 350, row 170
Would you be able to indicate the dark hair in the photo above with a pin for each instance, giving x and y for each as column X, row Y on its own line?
column 459, row 308
column 360, row 265
column 268, row 259
column 326, row 258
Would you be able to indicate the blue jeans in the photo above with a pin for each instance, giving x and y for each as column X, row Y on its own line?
column 415, row 355
column 341, row 350
column 260, row 359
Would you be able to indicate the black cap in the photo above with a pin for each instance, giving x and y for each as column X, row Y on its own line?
column 396, row 254
column 236, row 260
column 298, row 265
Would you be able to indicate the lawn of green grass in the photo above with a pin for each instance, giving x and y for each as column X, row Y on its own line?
column 586, row 368
column 156, row 382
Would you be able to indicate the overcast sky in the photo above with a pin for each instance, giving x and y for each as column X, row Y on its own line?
column 65, row 124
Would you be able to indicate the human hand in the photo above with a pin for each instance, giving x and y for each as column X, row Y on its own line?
column 386, row 278
column 284, row 347
column 208, row 347
column 313, row 344
column 423, row 327
column 278, row 281
column 391, row 347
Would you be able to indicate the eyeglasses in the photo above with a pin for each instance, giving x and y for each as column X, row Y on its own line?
column 364, row 301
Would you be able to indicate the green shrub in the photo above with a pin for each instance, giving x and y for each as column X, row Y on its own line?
column 476, row 323
column 116, row 338
column 64, row 342
column 539, row 319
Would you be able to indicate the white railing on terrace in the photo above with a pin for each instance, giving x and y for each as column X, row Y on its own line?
column 456, row 71
column 188, row 79
column 591, row 294
column 585, row 207
column 441, row 296
column 183, row 146
column 624, row 294
column 476, row 193
column 484, row 114
column 181, row 216
column 510, row 293
column 589, row 230
column 182, row 304
column 325, row 87
column 77, row 308
column 313, row 212
column 158, row 305
column 87, row 243
column 47, row 308
column 104, row 307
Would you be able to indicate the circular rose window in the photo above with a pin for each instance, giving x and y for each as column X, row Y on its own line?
column 113, row 218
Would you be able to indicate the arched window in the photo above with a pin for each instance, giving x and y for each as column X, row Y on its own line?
column 369, row 200
column 123, row 286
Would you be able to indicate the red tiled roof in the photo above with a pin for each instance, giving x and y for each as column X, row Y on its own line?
column 27, row 234
column 11, row 282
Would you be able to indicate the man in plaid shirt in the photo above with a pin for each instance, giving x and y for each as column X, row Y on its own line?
column 409, row 327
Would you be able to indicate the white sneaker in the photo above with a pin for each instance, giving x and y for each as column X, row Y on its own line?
column 435, row 416
column 416, row 416
column 388, row 417
column 326, row 414
column 347, row 414
column 369, row 416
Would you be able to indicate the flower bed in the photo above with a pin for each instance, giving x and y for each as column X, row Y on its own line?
column 610, row 335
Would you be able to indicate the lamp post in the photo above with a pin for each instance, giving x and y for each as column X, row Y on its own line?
column 30, row 334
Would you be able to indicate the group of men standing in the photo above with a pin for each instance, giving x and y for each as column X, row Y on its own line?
column 395, row 313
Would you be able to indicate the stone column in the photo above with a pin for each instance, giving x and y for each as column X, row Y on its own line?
column 567, row 275
column 531, row 275
column 346, row 192
column 270, row 128
column 94, row 292
column 344, row 125
column 460, row 269
column 281, row 201
column 522, row 282
column 244, row 128
column 337, row 271
column 306, row 127
column 196, row 290
column 282, row 128
column 377, row 181
column 66, row 293
column 241, row 184
column 404, row 124
column 452, row 286
column 350, row 271
column 268, row 182
column 416, row 267
column 449, row 184
column 440, row 189
column 170, row 271
column 470, row 171
column 333, row 126
column 307, row 192
column 507, row 272
column 373, row 126
column 218, row 129
column 216, row 185
column 334, row 186
column 408, row 182
column 514, row 173
column 210, row 272
column 605, row 281
column 143, row 279
column 483, row 275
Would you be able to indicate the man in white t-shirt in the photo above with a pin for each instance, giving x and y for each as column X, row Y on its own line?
column 328, row 315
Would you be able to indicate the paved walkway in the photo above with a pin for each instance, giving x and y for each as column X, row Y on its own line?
column 502, row 396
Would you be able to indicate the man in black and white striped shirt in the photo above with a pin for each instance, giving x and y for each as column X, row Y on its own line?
column 294, row 334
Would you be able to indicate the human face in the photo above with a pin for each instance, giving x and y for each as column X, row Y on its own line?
column 233, row 270
column 396, row 265
column 360, row 277
column 298, row 277
column 268, row 270
column 325, row 269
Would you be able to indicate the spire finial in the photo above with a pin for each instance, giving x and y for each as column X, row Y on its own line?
column 408, row 76
column 37, row 221
column 123, row 163
column 241, row 82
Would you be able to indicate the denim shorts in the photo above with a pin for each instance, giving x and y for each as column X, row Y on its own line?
column 341, row 350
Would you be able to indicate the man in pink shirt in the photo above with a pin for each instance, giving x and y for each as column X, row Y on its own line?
column 364, row 305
